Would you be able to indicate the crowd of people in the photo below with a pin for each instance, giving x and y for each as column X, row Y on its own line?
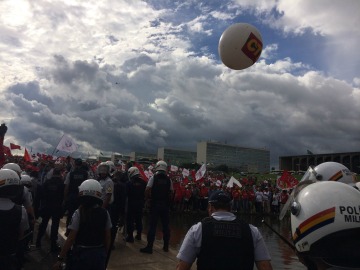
column 98, row 198
column 262, row 198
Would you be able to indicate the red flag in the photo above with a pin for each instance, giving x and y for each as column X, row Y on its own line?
column 27, row 157
column 7, row 151
column 143, row 176
column 192, row 175
column 14, row 146
column 286, row 181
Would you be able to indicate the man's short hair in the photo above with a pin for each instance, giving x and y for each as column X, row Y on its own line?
column 78, row 162
column 220, row 200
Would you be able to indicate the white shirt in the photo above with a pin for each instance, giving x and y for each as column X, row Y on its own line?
column 107, row 186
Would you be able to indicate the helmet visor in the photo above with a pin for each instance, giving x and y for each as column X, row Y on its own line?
column 311, row 174
column 304, row 182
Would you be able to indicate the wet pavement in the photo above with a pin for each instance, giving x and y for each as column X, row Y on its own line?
column 126, row 256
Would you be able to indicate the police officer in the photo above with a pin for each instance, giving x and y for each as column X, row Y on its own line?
column 51, row 198
column 72, row 182
column 159, row 190
column 107, row 192
column 223, row 241
column 24, row 197
column 89, row 238
column 117, row 208
column 13, row 219
column 135, row 190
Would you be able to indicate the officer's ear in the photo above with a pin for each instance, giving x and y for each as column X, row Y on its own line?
column 210, row 208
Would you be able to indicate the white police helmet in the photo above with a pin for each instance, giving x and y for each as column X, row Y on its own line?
column 25, row 180
column 325, row 218
column 327, row 171
column 330, row 171
column 13, row 166
column 103, row 167
column 133, row 171
column 161, row 166
column 9, row 183
column 90, row 187
column 111, row 165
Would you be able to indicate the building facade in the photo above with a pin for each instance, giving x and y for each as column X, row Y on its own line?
column 176, row 156
column 136, row 156
column 246, row 159
column 302, row 162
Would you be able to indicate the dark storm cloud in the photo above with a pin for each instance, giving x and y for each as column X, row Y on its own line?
column 68, row 73
column 183, row 116
column 135, row 76
column 30, row 91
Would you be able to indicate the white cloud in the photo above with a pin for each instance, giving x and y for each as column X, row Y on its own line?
column 126, row 76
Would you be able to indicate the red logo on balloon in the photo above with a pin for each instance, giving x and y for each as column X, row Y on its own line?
column 252, row 47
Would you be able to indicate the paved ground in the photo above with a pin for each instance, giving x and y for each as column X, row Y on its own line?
column 125, row 256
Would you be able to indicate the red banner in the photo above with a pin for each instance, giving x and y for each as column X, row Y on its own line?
column 27, row 157
column 286, row 181
column 141, row 170
column 14, row 146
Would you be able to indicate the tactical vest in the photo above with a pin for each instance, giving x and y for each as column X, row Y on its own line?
column 225, row 245
column 9, row 228
column 160, row 190
column 92, row 229
column 76, row 178
column 136, row 191
column 19, row 199
column 53, row 192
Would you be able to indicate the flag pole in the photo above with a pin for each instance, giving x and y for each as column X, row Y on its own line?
column 57, row 144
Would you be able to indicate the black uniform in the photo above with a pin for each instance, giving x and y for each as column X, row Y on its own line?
column 76, row 177
column 136, row 200
column 159, row 208
column 9, row 236
column 117, row 208
column 51, row 199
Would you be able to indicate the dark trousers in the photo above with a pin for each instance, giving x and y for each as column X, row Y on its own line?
column 55, row 215
column 134, row 216
column 115, row 213
column 162, row 212
column 71, row 206
column 245, row 205
column 259, row 207
column 8, row 262
column 87, row 259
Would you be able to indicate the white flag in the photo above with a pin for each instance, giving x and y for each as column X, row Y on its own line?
column 201, row 172
column 67, row 144
column 185, row 172
column 148, row 174
column 233, row 181
column 230, row 184
column 173, row 168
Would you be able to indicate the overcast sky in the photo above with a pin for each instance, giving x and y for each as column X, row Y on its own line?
column 122, row 76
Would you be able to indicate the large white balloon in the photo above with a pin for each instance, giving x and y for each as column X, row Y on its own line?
column 240, row 46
